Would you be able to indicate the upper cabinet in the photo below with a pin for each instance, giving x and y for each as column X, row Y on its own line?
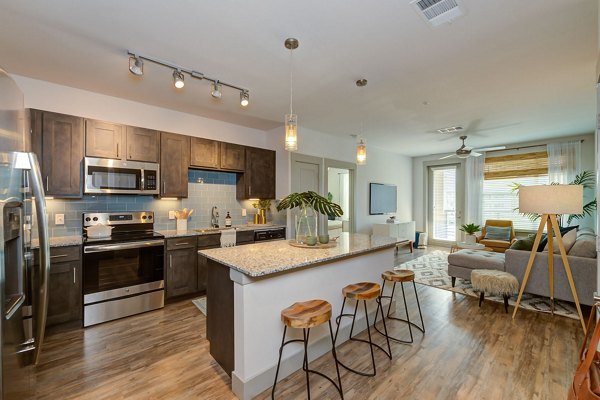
column 120, row 142
column 104, row 139
column 174, row 163
column 205, row 153
column 232, row 157
column 142, row 144
column 258, row 180
column 58, row 141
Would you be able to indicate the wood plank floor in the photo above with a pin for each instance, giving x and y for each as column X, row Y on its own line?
column 466, row 353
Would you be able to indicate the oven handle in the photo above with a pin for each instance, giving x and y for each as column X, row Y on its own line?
column 123, row 246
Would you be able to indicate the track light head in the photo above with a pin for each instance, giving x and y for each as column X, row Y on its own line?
column 244, row 98
column 178, row 79
column 216, row 92
column 136, row 66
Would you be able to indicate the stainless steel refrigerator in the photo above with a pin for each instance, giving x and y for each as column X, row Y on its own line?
column 23, row 287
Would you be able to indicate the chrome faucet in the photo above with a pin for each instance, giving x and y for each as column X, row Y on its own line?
column 214, row 219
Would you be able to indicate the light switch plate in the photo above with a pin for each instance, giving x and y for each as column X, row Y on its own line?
column 243, row 212
column 59, row 219
column 171, row 214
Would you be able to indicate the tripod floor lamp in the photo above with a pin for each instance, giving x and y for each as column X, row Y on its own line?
column 548, row 201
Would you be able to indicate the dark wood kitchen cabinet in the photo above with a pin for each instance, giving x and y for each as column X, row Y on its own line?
column 232, row 156
column 57, row 140
column 181, row 268
column 142, row 144
column 65, row 288
column 104, row 139
column 205, row 242
column 205, row 153
column 174, row 163
column 258, row 179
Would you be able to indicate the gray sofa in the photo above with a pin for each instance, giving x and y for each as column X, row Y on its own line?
column 583, row 269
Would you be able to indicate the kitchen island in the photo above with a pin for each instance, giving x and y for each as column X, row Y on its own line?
column 248, row 286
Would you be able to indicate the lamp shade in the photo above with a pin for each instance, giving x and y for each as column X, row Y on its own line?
column 551, row 199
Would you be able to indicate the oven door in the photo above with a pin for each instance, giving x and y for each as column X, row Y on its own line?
column 122, row 269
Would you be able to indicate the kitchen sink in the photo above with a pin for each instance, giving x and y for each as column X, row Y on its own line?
column 204, row 230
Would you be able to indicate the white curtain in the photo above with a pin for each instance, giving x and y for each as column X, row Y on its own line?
column 474, row 189
column 564, row 161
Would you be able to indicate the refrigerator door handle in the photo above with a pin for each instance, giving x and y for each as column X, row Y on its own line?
column 40, row 314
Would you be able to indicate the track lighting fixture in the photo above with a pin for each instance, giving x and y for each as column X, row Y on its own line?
column 136, row 67
column 178, row 79
column 216, row 91
column 244, row 98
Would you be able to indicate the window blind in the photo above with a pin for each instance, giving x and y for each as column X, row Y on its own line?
column 500, row 202
column 516, row 166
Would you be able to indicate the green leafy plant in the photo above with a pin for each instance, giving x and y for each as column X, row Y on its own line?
column 587, row 179
column 262, row 204
column 310, row 199
column 470, row 228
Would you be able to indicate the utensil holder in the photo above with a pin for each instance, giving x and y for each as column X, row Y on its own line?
column 181, row 225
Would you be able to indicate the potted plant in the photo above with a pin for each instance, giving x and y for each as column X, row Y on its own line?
column 309, row 204
column 262, row 205
column 470, row 230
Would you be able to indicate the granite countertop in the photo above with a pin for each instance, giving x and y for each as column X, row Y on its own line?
column 265, row 258
column 172, row 233
column 60, row 241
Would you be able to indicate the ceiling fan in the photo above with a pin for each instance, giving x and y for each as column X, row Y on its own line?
column 465, row 151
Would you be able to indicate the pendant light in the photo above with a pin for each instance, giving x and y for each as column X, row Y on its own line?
column 291, row 119
column 361, row 146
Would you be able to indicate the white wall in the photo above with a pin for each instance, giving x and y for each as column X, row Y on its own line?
column 419, row 170
column 67, row 100
column 382, row 167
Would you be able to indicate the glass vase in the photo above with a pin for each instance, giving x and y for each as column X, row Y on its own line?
column 306, row 224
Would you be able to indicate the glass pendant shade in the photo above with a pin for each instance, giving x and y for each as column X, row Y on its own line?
column 361, row 152
column 291, row 132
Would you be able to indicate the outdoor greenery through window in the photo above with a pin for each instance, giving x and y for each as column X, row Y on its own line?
column 500, row 173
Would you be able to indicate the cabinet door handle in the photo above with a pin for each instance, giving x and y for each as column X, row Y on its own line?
column 117, row 150
column 171, row 261
column 249, row 190
column 164, row 187
column 59, row 256
column 181, row 244
column 130, row 152
column 74, row 276
column 47, row 186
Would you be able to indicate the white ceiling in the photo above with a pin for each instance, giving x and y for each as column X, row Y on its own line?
column 508, row 70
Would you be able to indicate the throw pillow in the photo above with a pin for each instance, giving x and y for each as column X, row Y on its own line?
column 563, row 231
column 497, row 233
column 568, row 239
column 523, row 243
column 584, row 248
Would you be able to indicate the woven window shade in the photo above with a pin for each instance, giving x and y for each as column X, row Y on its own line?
column 516, row 165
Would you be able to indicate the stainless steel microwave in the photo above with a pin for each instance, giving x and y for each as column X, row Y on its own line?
column 120, row 177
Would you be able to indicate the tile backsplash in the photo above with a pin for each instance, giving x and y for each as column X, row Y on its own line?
column 205, row 190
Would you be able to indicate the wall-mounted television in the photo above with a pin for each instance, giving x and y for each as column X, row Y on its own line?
column 382, row 199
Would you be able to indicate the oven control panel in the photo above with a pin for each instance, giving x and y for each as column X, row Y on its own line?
column 118, row 218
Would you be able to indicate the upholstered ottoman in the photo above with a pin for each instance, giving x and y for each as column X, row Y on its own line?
column 461, row 263
column 495, row 283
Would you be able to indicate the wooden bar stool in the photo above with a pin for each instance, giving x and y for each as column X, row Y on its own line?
column 401, row 276
column 362, row 291
column 306, row 315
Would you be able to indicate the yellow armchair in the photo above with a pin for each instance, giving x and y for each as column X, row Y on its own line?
column 498, row 246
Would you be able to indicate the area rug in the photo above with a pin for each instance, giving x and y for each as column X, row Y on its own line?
column 432, row 270
column 200, row 303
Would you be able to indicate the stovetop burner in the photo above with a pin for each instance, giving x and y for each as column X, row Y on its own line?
column 127, row 226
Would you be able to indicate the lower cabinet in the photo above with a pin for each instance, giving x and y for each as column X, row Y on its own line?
column 205, row 242
column 65, row 289
column 181, row 266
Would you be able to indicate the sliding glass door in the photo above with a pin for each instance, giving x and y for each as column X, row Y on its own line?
column 443, row 213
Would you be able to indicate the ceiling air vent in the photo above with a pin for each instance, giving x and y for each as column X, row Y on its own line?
column 437, row 12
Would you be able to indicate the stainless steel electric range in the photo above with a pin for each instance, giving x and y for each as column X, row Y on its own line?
column 123, row 274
